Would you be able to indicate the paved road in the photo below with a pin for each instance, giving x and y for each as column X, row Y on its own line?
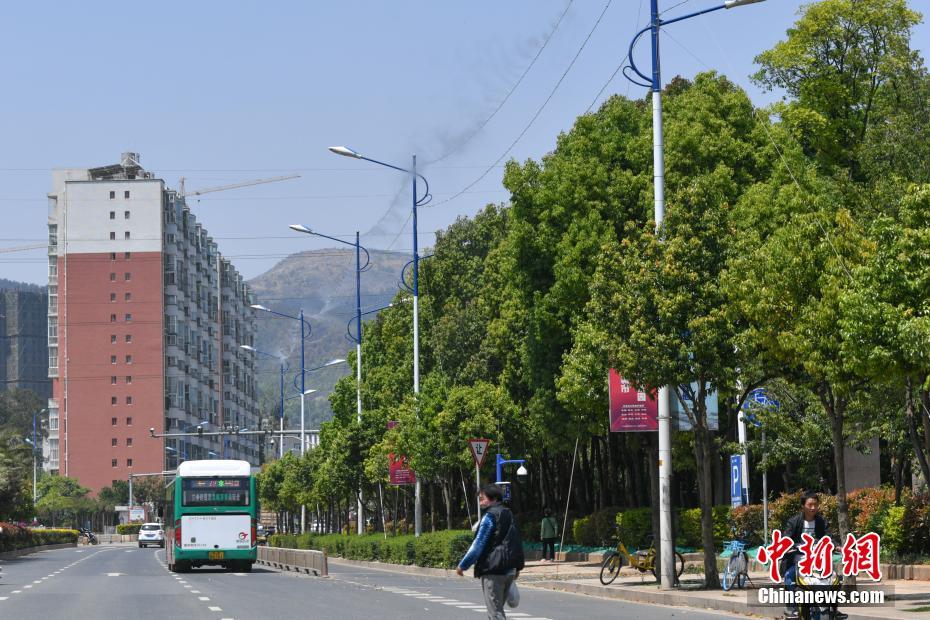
column 115, row 582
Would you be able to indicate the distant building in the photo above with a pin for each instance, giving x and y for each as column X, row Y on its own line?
column 145, row 320
column 24, row 340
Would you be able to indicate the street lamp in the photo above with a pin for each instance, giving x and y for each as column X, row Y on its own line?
column 303, row 336
column 654, row 82
column 417, row 202
column 283, row 370
column 359, row 268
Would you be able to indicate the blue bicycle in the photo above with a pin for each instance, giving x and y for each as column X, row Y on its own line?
column 736, row 572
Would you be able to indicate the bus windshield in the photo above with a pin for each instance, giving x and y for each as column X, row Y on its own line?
column 215, row 491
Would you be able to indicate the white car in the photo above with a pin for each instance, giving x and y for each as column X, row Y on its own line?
column 151, row 534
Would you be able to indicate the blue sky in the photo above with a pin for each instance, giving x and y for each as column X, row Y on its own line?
column 223, row 92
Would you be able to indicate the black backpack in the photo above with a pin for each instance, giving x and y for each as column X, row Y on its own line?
column 505, row 549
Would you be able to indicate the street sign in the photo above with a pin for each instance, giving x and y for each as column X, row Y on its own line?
column 479, row 449
column 631, row 410
column 736, row 480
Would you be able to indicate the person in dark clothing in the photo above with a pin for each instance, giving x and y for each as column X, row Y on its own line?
column 497, row 533
column 809, row 521
column 548, row 534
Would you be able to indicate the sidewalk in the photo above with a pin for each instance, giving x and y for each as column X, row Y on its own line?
column 911, row 598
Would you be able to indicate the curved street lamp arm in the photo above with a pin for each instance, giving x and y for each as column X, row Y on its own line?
column 633, row 62
column 288, row 316
column 425, row 199
column 338, row 240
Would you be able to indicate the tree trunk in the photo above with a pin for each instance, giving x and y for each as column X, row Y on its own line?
column 918, row 446
column 612, row 473
column 585, row 481
column 432, row 506
column 447, row 499
column 703, row 451
column 836, row 408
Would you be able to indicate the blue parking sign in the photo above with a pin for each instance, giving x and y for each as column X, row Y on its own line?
column 736, row 480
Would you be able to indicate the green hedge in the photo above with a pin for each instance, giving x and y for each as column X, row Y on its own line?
column 689, row 527
column 13, row 537
column 435, row 549
column 128, row 528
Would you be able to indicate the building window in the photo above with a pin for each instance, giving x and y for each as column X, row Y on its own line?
column 128, row 379
column 129, row 421
column 113, row 380
column 113, row 318
column 128, row 338
column 112, row 236
column 128, row 317
column 126, row 255
column 128, row 461
column 129, row 400
column 114, row 442
column 112, row 421
column 112, row 359
column 126, row 195
column 53, row 266
column 112, row 338
column 112, row 255
column 127, row 297
column 126, row 213
column 112, row 276
column 127, row 276
column 129, row 359
column 112, row 400
column 112, row 296
column 112, row 195
column 126, row 235
column 113, row 462
column 129, row 442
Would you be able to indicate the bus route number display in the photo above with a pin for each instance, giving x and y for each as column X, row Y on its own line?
column 215, row 492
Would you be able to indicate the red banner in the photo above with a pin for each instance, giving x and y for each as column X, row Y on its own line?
column 631, row 409
column 398, row 467
column 400, row 472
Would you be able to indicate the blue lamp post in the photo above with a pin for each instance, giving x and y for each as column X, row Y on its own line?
column 283, row 370
column 417, row 202
column 654, row 83
column 304, row 334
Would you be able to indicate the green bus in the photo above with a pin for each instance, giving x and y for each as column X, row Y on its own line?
column 211, row 514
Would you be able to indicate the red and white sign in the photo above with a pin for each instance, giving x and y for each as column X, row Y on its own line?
column 479, row 448
column 399, row 470
column 631, row 409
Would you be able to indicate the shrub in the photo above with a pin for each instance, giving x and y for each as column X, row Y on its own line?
column 690, row 526
column 634, row 526
column 868, row 507
column 436, row 549
column 892, row 527
column 916, row 524
column 13, row 537
column 583, row 531
column 441, row 549
column 128, row 528
column 398, row 549
column 747, row 521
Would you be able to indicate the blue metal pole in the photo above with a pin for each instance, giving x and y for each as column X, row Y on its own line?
column 303, row 397
column 281, row 439
column 500, row 462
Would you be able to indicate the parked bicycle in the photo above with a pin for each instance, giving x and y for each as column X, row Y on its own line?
column 736, row 572
column 643, row 560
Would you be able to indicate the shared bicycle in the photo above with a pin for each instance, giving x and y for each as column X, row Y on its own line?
column 644, row 561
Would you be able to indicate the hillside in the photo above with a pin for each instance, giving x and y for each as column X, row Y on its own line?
column 322, row 282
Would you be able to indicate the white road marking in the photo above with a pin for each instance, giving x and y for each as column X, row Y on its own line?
column 36, row 581
column 188, row 586
column 114, row 574
column 3, row 598
column 211, row 608
column 16, row 592
column 195, row 591
column 27, row 587
column 204, row 598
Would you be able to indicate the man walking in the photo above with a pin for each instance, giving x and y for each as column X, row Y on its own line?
column 548, row 534
column 496, row 552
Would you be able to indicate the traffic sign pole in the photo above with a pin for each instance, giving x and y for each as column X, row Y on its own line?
column 479, row 448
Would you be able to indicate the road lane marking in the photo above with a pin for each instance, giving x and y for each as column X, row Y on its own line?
column 213, row 608
column 204, row 598
column 27, row 587
column 3, row 598
column 16, row 592
column 195, row 591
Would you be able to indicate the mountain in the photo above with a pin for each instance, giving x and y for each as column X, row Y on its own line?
column 322, row 282
column 13, row 285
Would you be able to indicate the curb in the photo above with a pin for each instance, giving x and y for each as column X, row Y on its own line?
column 398, row 568
column 8, row 555
column 674, row 599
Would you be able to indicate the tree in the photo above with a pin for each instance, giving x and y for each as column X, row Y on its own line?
column 15, row 477
column 62, row 499
column 846, row 65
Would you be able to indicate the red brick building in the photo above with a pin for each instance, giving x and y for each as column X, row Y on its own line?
column 145, row 323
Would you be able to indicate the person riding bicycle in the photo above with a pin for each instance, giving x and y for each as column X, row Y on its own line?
column 811, row 522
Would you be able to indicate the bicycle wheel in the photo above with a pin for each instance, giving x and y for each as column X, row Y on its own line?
column 610, row 568
column 731, row 574
column 679, row 564
column 742, row 569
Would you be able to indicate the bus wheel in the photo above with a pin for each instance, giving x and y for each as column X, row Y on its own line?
column 245, row 567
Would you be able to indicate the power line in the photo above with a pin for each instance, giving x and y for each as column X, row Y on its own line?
column 535, row 116
column 507, row 97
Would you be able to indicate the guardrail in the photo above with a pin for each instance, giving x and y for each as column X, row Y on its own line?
column 299, row 560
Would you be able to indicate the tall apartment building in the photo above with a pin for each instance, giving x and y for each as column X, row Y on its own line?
column 145, row 323
column 23, row 340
